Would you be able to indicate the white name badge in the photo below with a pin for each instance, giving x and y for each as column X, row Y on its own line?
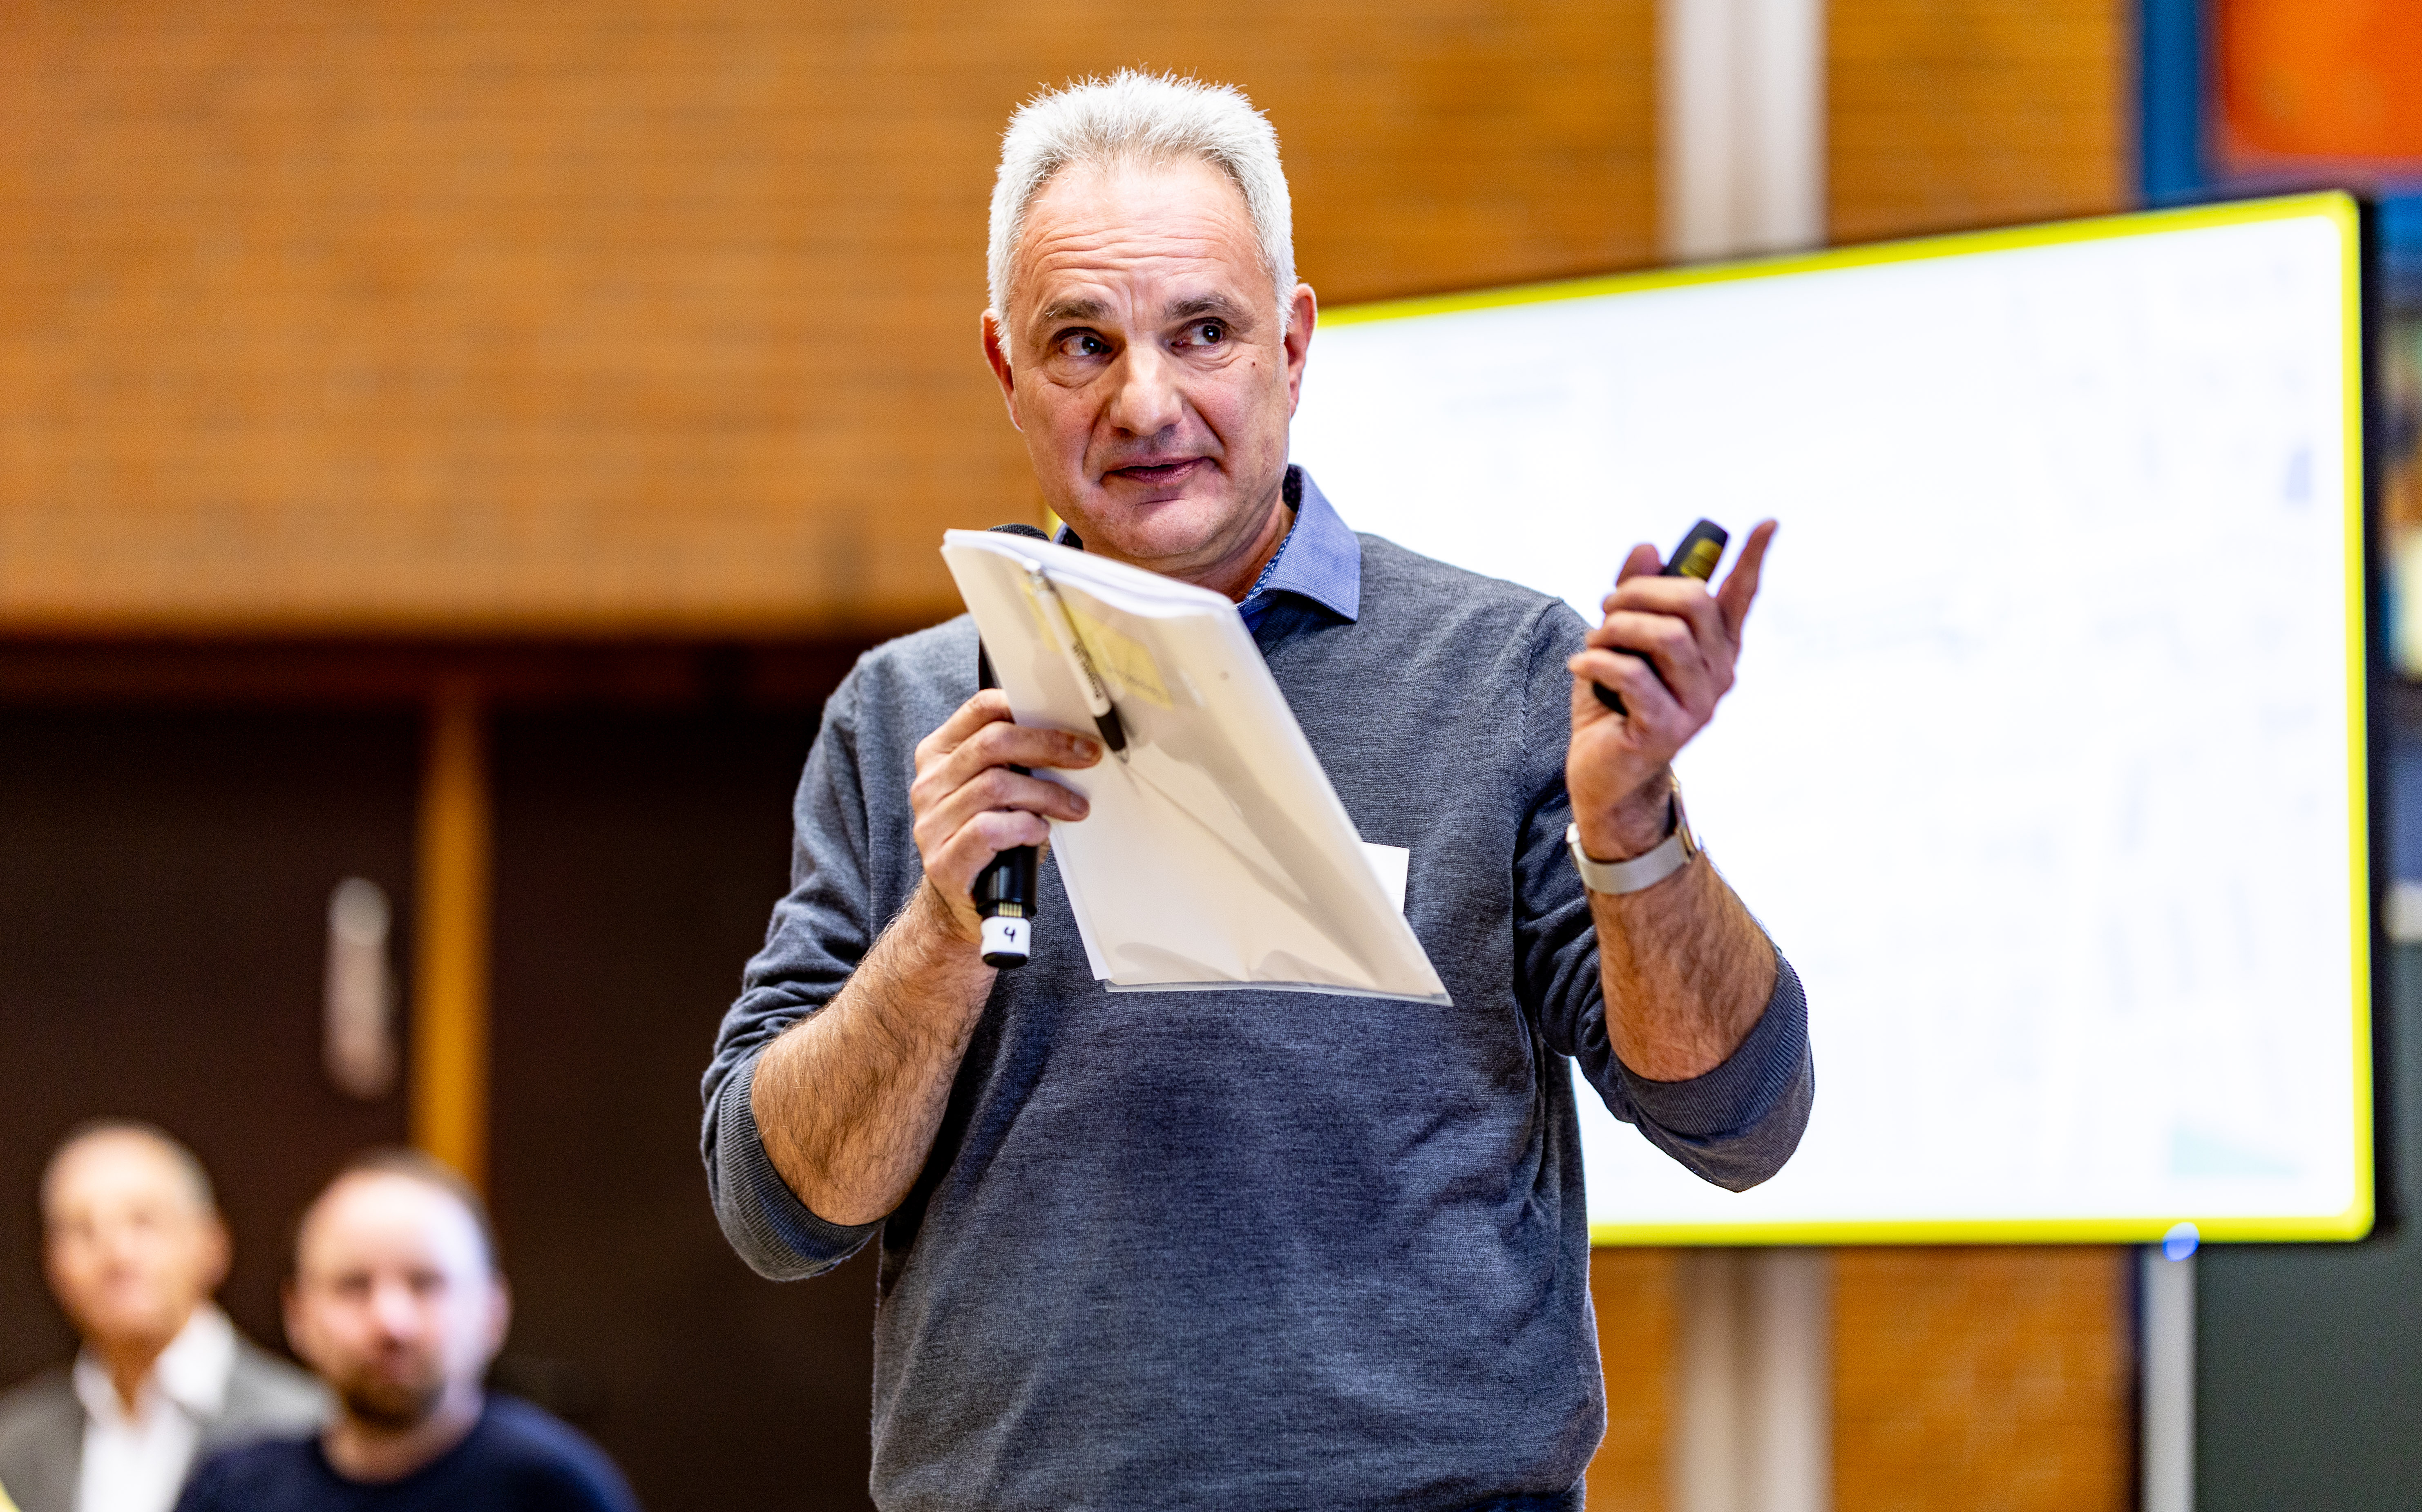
column 1391, row 863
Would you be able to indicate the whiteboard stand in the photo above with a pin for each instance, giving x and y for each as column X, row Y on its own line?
column 1753, row 1427
column 2166, row 1357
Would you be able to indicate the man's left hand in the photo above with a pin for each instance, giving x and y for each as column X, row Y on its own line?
column 1616, row 765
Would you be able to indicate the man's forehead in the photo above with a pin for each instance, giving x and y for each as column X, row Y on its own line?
column 1180, row 226
column 376, row 1218
column 115, row 1163
column 1152, row 186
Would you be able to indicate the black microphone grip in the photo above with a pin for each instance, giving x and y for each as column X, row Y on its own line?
column 1004, row 889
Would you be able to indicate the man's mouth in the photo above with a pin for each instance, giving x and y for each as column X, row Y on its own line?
column 1158, row 474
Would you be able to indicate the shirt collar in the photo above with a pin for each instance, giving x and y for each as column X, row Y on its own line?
column 1320, row 558
column 192, row 1372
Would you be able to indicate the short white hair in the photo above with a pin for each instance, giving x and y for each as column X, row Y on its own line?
column 1137, row 117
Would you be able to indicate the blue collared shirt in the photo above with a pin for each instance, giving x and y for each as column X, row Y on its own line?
column 1320, row 559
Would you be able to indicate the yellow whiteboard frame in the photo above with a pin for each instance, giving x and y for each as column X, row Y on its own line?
column 2341, row 211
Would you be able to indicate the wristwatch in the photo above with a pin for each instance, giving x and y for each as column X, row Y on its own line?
column 1643, row 870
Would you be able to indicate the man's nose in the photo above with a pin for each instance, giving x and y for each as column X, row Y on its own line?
column 1145, row 402
column 395, row 1309
column 119, row 1246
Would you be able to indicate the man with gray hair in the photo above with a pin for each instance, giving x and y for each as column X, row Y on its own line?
column 134, row 1247
column 1243, row 1249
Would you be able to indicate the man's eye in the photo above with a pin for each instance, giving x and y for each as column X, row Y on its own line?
column 1083, row 345
column 1209, row 333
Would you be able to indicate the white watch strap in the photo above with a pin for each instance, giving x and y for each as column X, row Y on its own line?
column 1643, row 870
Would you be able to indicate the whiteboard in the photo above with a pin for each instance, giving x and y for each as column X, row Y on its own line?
column 2046, row 762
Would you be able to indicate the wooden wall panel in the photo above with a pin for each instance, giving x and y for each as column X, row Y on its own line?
column 645, row 314
column 1982, row 1380
column 1976, row 113
column 1635, row 1293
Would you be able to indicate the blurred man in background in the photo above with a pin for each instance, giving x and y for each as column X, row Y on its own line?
column 134, row 1248
column 397, row 1300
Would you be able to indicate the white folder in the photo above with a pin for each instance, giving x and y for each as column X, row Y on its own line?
column 1216, row 854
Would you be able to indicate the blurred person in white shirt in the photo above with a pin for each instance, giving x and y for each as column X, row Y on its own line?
column 133, row 1248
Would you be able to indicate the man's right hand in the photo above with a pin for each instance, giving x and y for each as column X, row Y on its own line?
column 847, row 1100
column 970, row 806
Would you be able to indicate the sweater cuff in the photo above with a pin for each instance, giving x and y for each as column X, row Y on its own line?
column 761, row 1216
column 1747, row 1085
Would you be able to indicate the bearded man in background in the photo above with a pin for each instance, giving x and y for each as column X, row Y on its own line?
column 395, row 1299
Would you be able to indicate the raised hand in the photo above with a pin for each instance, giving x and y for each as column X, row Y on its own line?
column 1686, row 641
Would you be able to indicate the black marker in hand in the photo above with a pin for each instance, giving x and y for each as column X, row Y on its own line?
column 1696, row 556
column 1004, row 889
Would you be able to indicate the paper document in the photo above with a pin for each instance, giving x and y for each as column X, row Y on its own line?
column 1216, row 854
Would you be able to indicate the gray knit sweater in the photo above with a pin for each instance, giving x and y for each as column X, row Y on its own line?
column 1246, row 1250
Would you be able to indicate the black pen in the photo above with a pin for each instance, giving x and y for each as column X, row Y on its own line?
column 1696, row 556
column 1072, row 646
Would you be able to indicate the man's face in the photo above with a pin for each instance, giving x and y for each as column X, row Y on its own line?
column 394, row 1300
column 1142, row 357
column 131, row 1247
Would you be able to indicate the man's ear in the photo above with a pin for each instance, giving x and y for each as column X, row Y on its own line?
column 500, row 1314
column 1305, row 309
column 218, row 1251
column 290, row 1300
column 995, row 350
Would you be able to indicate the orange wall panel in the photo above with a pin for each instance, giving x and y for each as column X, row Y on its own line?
column 642, row 315
column 2320, row 78
column 1975, row 113
column 1982, row 1380
column 1635, row 1293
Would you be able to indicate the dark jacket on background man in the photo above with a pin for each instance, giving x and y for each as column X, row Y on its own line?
column 516, row 1459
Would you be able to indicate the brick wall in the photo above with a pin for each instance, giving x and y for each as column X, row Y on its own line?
column 1952, row 112
column 646, row 316
column 1983, row 1380
column 639, row 314
column 1636, row 1297
column 1988, row 1379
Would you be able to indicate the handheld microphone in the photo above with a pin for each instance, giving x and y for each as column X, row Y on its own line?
column 1696, row 556
column 1004, row 889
